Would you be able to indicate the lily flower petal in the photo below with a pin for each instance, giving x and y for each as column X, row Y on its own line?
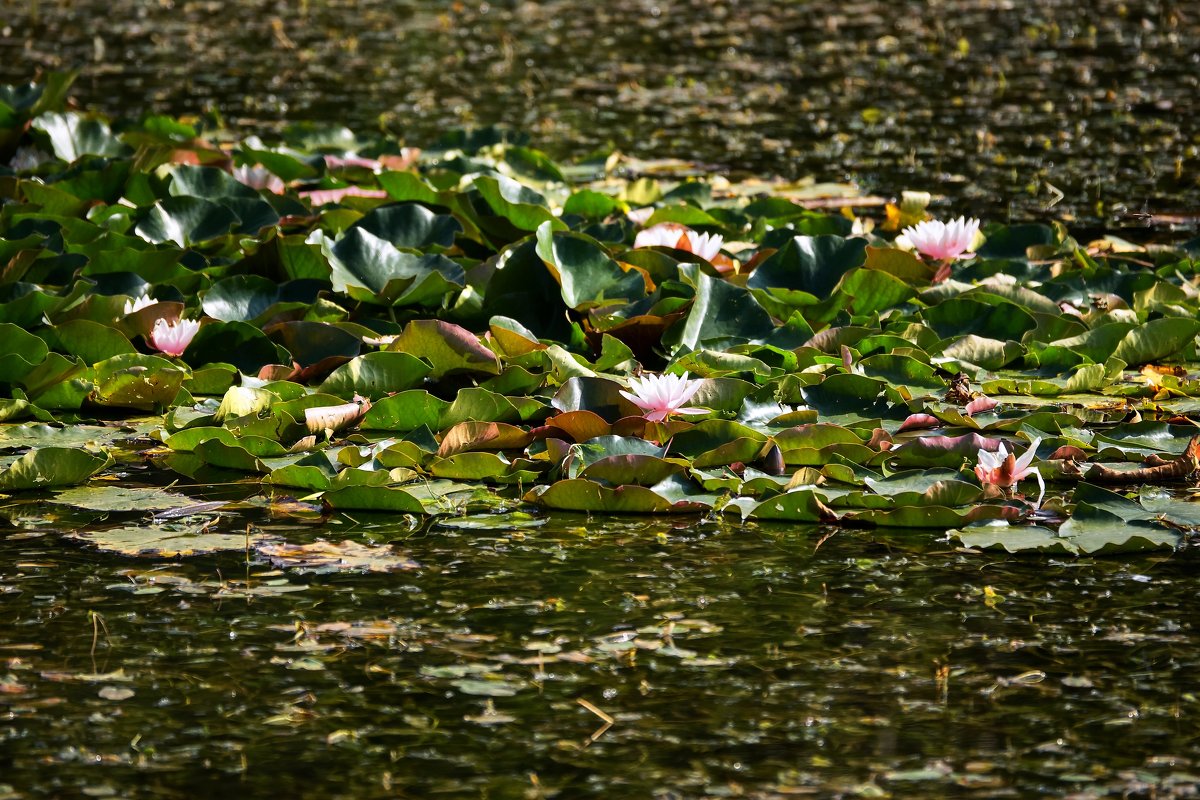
column 1004, row 469
column 1025, row 460
column 136, row 304
column 941, row 240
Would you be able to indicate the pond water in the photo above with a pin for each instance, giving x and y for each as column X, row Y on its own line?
column 732, row 660
column 1009, row 109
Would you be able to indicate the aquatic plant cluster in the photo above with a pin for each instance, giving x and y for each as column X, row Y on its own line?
column 354, row 322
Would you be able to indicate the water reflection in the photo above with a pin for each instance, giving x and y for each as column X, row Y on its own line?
column 730, row 660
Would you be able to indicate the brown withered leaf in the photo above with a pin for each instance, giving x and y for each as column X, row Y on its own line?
column 1159, row 470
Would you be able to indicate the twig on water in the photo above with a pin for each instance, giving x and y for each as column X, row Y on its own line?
column 608, row 721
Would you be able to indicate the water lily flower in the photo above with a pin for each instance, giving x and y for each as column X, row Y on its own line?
column 663, row 395
column 943, row 240
column 172, row 337
column 27, row 158
column 407, row 157
column 671, row 234
column 640, row 216
column 259, row 178
column 133, row 305
column 1004, row 469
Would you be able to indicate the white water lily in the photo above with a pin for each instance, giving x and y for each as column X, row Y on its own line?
column 135, row 304
column 640, row 216
column 671, row 234
column 27, row 158
column 1004, row 469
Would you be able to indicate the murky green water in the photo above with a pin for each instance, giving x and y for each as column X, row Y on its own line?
column 733, row 661
column 1080, row 111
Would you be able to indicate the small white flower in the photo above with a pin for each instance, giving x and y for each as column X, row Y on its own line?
column 27, row 158
column 640, row 216
column 671, row 234
column 136, row 304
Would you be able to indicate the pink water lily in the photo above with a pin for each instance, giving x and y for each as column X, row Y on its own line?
column 943, row 240
column 172, row 337
column 671, row 234
column 662, row 395
column 1004, row 469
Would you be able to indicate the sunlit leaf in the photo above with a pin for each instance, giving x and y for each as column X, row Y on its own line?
column 48, row 467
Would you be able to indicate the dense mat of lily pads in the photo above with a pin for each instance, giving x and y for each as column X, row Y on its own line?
column 350, row 321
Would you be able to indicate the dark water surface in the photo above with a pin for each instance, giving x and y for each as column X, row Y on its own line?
column 1081, row 110
column 745, row 661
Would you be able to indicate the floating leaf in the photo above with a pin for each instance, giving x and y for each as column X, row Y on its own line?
column 374, row 375
column 323, row 556
column 167, row 540
column 812, row 264
column 138, row 499
column 587, row 275
column 372, row 269
column 186, row 221
column 373, row 498
column 48, row 467
column 584, row 495
column 448, row 347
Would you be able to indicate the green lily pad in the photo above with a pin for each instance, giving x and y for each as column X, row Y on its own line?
column 374, row 375
column 586, row 273
column 100, row 497
column 406, row 411
column 49, row 467
column 133, row 380
column 578, row 494
column 167, row 540
column 72, row 136
column 186, row 221
column 373, row 498
column 371, row 269
column 447, row 347
column 813, row 264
